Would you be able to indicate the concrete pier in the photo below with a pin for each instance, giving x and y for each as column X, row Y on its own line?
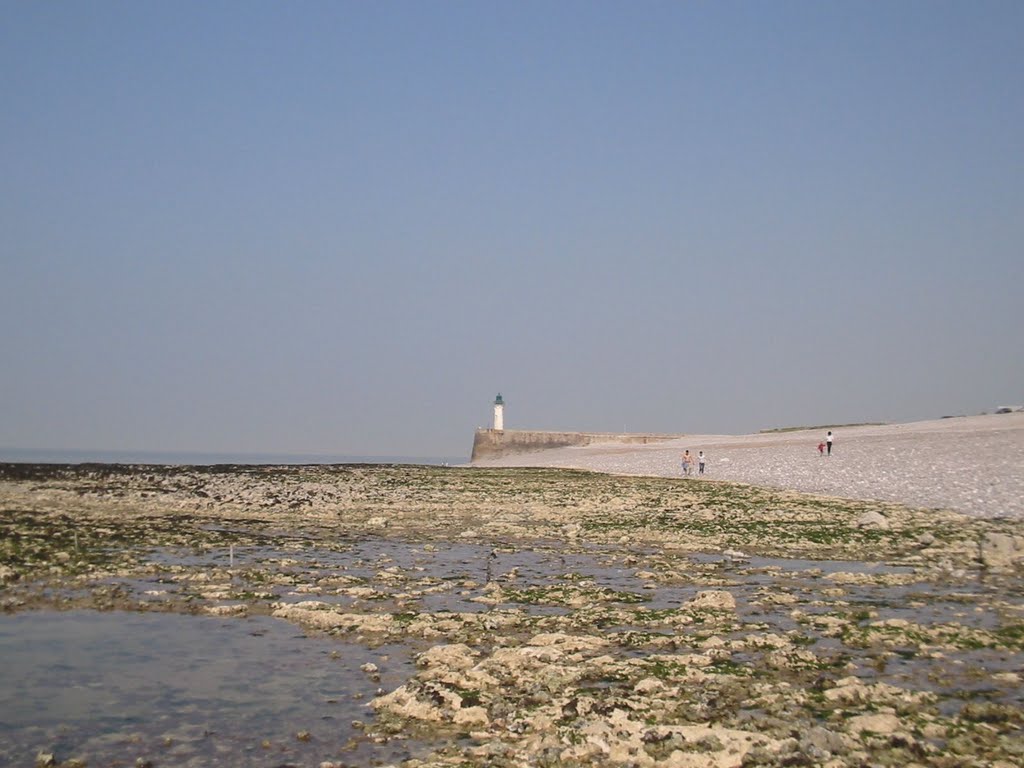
column 492, row 443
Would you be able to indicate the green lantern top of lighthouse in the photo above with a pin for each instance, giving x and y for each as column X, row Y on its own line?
column 498, row 400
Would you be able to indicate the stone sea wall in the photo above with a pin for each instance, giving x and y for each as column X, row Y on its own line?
column 493, row 443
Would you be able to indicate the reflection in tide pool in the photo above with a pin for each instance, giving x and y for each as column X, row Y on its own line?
column 185, row 690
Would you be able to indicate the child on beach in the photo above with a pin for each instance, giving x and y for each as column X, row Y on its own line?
column 821, row 449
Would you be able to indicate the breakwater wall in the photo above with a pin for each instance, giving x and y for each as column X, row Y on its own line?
column 493, row 443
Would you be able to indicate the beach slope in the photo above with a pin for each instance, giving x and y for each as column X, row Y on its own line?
column 971, row 464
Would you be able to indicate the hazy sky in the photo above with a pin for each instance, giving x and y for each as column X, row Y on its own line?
column 345, row 227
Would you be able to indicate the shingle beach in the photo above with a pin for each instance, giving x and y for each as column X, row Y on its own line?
column 971, row 464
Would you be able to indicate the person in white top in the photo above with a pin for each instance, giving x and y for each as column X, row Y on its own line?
column 828, row 442
column 700, row 462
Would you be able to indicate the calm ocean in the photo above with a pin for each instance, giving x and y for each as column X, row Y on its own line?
column 35, row 456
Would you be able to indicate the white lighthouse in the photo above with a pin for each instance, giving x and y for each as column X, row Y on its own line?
column 499, row 413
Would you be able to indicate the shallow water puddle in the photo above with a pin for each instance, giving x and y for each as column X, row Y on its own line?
column 114, row 687
column 454, row 576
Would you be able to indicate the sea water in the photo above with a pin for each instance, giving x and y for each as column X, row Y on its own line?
column 191, row 458
column 116, row 687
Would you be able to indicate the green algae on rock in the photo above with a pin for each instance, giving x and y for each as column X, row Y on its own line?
column 565, row 618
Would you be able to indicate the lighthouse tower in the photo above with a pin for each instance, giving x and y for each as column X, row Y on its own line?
column 499, row 413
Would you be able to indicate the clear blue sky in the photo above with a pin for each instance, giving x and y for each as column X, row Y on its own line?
column 345, row 226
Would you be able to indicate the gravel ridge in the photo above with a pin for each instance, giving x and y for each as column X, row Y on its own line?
column 970, row 464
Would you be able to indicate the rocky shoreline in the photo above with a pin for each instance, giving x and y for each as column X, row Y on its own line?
column 564, row 618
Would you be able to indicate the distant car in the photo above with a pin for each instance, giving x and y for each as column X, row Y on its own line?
column 1009, row 408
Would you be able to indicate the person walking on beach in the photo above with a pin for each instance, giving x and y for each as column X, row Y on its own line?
column 700, row 462
column 687, row 461
column 828, row 442
column 821, row 449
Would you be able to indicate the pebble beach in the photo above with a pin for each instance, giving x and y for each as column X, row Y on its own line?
column 970, row 464
column 255, row 616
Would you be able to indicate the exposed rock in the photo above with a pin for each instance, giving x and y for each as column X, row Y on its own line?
column 454, row 656
column 1002, row 552
column 881, row 723
column 237, row 609
column 851, row 690
column 620, row 739
column 649, row 685
column 319, row 615
column 403, row 702
column 872, row 519
column 822, row 739
column 360, row 592
column 471, row 716
column 713, row 600
column 568, row 643
column 579, row 672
